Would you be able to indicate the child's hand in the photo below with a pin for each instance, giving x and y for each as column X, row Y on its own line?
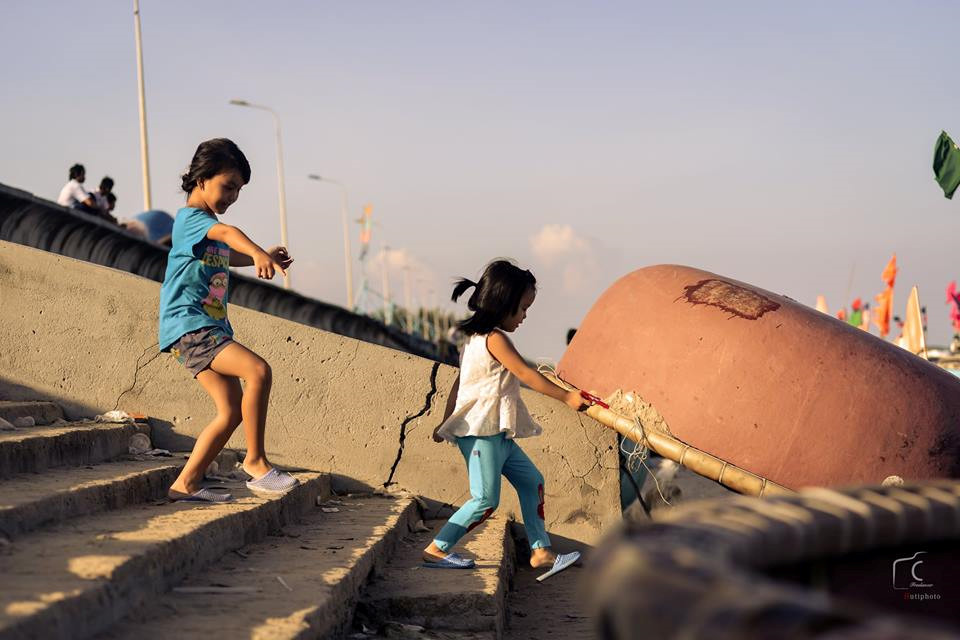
column 575, row 401
column 266, row 266
column 280, row 255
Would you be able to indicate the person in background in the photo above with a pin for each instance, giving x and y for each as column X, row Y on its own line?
column 73, row 194
column 105, row 199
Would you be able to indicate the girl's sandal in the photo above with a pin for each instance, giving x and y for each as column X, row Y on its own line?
column 562, row 561
column 451, row 561
column 203, row 495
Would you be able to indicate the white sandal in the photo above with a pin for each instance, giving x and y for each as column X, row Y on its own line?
column 562, row 561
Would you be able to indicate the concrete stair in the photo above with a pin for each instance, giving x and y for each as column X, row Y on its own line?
column 35, row 449
column 91, row 548
column 84, row 537
column 40, row 412
column 468, row 603
column 30, row 501
column 301, row 583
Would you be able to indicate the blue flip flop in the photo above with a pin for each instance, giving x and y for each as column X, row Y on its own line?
column 203, row 495
column 562, row 561
column 451, row 561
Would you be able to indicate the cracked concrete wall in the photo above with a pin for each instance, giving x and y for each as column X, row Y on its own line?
column 85, row 336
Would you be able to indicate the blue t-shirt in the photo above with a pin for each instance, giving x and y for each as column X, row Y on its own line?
column 194, row 291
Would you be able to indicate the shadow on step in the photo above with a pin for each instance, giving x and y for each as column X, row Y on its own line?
column 10, row 390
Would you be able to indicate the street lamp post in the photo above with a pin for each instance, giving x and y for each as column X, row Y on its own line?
column 144, row 157
column 281, row 189
column 348, row 269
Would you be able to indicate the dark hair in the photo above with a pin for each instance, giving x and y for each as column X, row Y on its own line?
column 76, row 171
column 497, row 295
column 212, row 157
column 570, row 334
column 106, row 184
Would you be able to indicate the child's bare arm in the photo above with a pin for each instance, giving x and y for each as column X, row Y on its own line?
column 237, row 240
column 278, row 253
column 451, row 405
column 238, row 259
column 503, row 350
column 452, row 399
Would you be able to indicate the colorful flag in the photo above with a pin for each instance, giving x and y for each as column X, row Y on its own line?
column 885, row 299
column 890, row 271
column 822, row 305
column 913, row 340
column 953, row 299
column 946, row 164
column 366, row 230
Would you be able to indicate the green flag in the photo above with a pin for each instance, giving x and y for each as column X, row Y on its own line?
column 946, row 164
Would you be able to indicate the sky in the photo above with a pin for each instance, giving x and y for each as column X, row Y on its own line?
column 787, row 145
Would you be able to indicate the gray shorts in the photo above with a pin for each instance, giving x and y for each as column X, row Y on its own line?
column 197, row 349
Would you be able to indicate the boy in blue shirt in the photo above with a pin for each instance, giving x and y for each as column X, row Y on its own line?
column 194, row 326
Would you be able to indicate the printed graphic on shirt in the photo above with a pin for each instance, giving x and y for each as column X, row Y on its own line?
column 217, row 257
column 213, row 303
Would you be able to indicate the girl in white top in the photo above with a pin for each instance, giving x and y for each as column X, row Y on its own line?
column 485, row 414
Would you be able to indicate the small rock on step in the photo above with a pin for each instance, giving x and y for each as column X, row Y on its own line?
column 6, row 426
column 24, row 421
column 139, row 444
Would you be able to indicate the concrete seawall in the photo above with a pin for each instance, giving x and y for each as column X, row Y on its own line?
column 85, row 336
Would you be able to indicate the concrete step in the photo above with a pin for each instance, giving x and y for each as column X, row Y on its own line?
column 324, row 562
column 554, row 608
column 36, row 449
column 42, row 412
column 444, row 600
column 30, row 501
column 77, row 578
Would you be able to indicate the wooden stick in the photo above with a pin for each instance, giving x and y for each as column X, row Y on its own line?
column 700, row 462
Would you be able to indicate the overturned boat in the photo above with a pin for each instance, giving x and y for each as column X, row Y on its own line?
column 756, row 383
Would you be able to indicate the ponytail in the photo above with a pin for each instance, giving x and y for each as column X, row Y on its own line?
column 462, row 285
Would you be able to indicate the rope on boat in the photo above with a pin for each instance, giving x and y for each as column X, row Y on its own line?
column 700, row 462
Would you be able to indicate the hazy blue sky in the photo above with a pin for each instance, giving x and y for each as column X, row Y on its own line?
column 784, row 144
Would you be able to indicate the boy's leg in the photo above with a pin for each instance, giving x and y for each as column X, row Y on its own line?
column 484, row 459
column 238, row 361
column 528, row 481
column 226, row 394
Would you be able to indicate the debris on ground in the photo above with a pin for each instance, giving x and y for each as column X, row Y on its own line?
column 139, row 443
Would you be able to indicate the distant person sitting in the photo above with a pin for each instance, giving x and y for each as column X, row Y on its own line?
column 73, row 194
column 105, row 199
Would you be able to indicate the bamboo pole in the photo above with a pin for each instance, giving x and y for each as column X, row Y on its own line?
column 700, row 462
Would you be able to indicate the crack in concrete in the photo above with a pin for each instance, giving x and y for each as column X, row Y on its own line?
column 403, row 426
column 136, row 372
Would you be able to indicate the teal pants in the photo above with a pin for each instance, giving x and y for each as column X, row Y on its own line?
column 488, row 457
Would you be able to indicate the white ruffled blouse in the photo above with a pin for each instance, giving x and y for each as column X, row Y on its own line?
column 488, row 401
